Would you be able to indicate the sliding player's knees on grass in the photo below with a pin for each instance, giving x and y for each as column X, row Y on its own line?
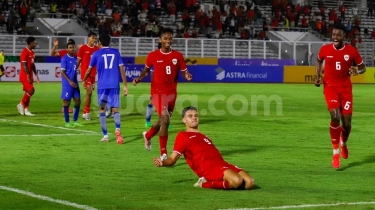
column 234, row 179
column 335, row 115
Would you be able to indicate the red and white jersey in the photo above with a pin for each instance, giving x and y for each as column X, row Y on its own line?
column 166, row 70
column 62, row 53
column 338, row 63
column 85, row 52
column 199, row 151
column 27, row 56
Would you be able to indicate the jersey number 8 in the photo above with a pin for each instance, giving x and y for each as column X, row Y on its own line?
column 168, row 69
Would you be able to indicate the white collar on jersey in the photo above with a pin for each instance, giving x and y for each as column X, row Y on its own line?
column 333, row 45
column 167, row 52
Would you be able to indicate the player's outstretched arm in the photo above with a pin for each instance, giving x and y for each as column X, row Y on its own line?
column 53, row 50
column 123, row 76
column 186, row 74
column 170, row 161
column 318, row 72
column 143, row 74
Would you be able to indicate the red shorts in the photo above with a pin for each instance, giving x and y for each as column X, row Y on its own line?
column 164, row 102
column 90, row 81
column 27, row 86
column 341, row 98
column 216, row 171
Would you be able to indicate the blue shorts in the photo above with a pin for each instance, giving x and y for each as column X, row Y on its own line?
column 109, row 97
column 68, row 93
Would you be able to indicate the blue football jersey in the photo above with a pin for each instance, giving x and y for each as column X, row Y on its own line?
column 69, row 65
column 107, row 61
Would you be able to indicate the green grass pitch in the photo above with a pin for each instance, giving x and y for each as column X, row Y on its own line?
column 285, row 146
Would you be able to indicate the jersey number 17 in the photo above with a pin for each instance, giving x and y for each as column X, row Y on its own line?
column 106, row 59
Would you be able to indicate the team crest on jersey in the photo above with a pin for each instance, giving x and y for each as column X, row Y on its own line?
column 174, row 61
column 346, row 57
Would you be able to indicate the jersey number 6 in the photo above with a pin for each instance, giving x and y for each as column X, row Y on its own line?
column 338, row 66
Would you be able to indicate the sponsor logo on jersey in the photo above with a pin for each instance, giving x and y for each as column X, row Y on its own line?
column 10, row 71
column 346, row 57
column 159, row 61
column 174, row 61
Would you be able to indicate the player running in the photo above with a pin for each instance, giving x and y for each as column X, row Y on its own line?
column 339, row 59
column 167, row 63
column 110, row 73
column 203, row 158
column 70, row 87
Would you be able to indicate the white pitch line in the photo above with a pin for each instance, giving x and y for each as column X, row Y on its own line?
column 45, row 198
column 306, row 206
column 62, row 134
column 49, row 126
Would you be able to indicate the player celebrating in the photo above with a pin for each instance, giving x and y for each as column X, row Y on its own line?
column 84, row 55
column 62, row 53
column 27, row 76
column 203, row 158
column 166, row 63
column 339, row 58
column 110, row 72
column 70, row 87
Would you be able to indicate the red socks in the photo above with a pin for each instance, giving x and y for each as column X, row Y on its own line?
column 335, row 131
column 151, row 133
column 216, row 184
column 163, row 144
column 86, row 109
column 25, row 100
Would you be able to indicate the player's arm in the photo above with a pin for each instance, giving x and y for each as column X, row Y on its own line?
column 123, row 76
column 360, row 68
column 53, row 50
column 186, row 74
column 170, row 161
column 87, row 74
column 143, row 74
column 318, row 70
column 92, row 64
column 36, row 73
column 79, row 58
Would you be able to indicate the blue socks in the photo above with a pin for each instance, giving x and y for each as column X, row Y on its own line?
column 149, row 113
column 103, row 123
column 66, row 113
column 116, row 117
column 75, row 113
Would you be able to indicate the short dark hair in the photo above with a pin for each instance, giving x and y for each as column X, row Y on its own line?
column 187, row 109
column 105, row 39
column 340, row 27
column 91, row 34
column 30, row 39
column 166, row 30
column 71, row 41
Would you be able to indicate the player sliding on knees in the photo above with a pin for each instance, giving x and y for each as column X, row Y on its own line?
column 339, row 58
column 110, row 73
column 167, row 63
column 203, row 158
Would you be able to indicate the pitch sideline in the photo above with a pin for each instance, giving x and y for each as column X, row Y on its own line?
column 45, row 198
column 50, row 126
column 306, row 206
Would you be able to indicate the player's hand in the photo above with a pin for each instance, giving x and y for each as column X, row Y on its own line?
column 125, row 91
column 353, row 70
column 73, row 84
column 55, row 42
column 158, row 162
column 317, row 82
column 188, row 76
column 37, row 79
column 135, row 81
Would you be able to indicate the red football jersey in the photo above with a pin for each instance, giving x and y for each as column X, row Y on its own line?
column 85, row 52
column 27, row 56
column 62, row 53
column 338, row 63
column 199, row 151
column 166, row 70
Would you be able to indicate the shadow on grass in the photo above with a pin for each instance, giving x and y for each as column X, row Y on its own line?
column 242, row 150
column 367, row 160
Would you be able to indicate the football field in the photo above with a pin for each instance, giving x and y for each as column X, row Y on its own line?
column 278, row 133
